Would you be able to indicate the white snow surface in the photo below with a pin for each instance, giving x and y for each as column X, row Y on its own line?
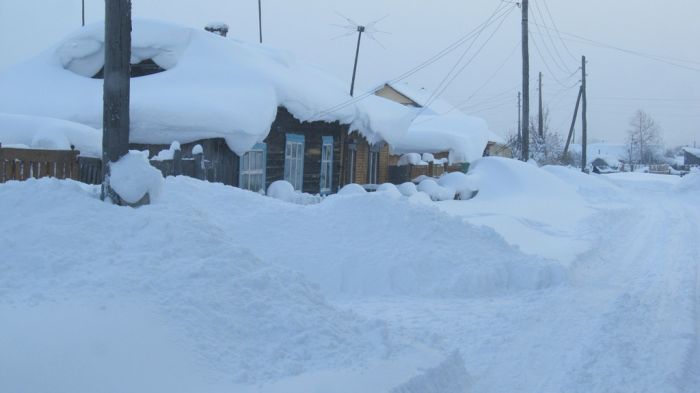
column 219, row 289
column 212, row 87
column 36, row 132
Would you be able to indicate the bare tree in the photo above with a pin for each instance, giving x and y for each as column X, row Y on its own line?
column 546, row 148
column 643, row 137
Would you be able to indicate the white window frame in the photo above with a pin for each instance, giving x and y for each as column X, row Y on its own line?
column 294, row 153
column 351, row 162
column 326, row 181
column 248, row 170
column 373, row 164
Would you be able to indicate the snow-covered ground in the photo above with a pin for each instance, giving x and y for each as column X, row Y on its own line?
column 548, row 280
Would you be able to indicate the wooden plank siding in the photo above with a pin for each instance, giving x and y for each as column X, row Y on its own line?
column 23, row 164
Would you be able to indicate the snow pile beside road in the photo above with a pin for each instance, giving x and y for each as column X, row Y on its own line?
column 245, row 318
column 529, row 206
column 689, row 183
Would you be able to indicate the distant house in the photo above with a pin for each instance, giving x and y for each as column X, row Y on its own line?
column 691, row 156
column 260, row 114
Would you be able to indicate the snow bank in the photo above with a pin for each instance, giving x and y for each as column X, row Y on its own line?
column 211, row 87
column 689, row 183
column 389, row 189
column 37, row 132
column 408, row 188
column 284, row 191
column 205, row 296
column 133, row 177
column 529, row 206
column 352, row 189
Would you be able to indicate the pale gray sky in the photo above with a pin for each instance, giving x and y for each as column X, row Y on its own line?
column 618, row 83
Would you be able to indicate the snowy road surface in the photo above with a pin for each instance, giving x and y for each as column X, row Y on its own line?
column 628, row 322
column 215, row 289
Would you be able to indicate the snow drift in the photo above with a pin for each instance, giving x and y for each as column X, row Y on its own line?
column 35, row 132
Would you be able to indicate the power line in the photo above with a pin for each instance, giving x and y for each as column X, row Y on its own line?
column 663, row 59
column 546, row 64
column 445, row 83
column 452, row 79
column 558, row 56
column 410, row 72
column 556, row 28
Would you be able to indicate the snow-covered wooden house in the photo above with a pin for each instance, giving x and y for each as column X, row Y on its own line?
column 259, row 113
column 691, row 156
column 440, row 137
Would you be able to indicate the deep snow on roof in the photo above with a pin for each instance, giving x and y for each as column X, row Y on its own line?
column 692, row 150
column 212, row 87
column 22, row 131
column 438, row 126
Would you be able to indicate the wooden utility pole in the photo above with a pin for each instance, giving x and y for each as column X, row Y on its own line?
column 540, row 119
column 360, row 30
column 573, row 121
column 260, row 19
column 115, row 134
column 584, row 119
column 520, row 135
column 83, row 12
column 526, row 84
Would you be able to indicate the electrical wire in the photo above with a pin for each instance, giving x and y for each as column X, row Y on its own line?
column 558, row 59
column 556, row 29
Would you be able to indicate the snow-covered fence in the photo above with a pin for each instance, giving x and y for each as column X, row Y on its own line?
column 177, row 165
column 23, row 164
column 90, row 170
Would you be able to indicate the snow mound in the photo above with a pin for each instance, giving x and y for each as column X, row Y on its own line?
column 448, row 377
column 463, row 186
column 436, row 191
column 133, row 177
column 37, row 132
column 408, row 188
column 352, row 189
column 689, row 183
column 247, row 319
column 390, row 190
column 282, row 190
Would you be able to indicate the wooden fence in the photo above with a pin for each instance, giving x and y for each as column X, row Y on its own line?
column 23, row 164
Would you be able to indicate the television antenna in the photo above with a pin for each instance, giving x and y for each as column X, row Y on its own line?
column 370, row 30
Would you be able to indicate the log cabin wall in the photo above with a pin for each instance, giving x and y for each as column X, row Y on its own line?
column 221, row 164
column 313, row 133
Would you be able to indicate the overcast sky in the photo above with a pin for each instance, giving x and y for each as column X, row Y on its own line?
column 618, row 83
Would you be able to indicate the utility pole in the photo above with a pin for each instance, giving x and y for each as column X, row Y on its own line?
column 260, row 19
column 360, row 30
column 526, row 84
column 540, row 120
column 584, row 119
column 115, row 134
column 83, row 12
column 520, row 136
column 573, row 121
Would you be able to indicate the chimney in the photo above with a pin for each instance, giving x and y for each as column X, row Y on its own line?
column 217, row 28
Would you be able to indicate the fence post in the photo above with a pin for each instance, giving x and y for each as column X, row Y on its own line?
column 177, row 162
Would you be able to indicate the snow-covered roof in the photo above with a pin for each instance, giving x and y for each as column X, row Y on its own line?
column 33, row 132
column 439, row 127
column 692, row 150
column 211, row 87
column 612, row 153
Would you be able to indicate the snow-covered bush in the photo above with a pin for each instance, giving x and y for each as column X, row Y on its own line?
column 436, row 191
column 352, row 189
column 132, row 177
column 407, row 189
column 463, row 186
column 282, row 190
column 390, row 190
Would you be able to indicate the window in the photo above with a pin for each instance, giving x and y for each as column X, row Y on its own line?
column 351, row 161
column 294, row 161
column 252, row 169
column 326, row 165
column 373, row 164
